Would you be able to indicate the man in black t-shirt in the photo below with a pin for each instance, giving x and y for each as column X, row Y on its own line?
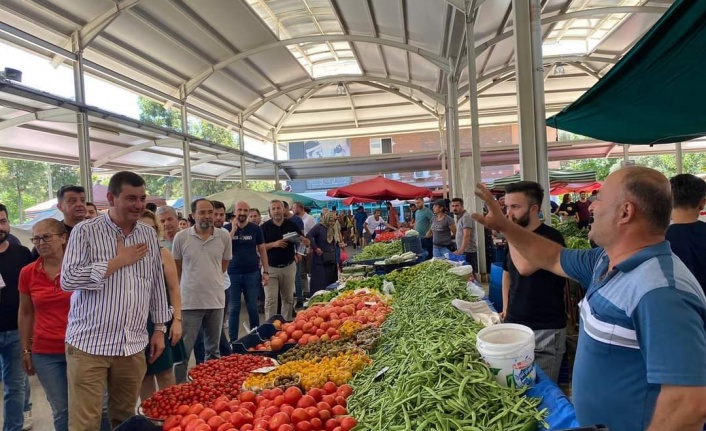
column 582, row 210
column 687, row 235
column 13, row 258
column 535, row 300
column 282, row 257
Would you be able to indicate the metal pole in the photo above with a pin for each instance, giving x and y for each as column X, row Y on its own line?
column 186, row 173
column 475, row 205
column 442, row 144
column 278, row 186
column 454, row 138
column 626, row 154
column 241, row 144
column 82, row 125
column 540, row 131
column 680, row 161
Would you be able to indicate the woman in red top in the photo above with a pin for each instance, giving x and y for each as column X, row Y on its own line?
column 43, row 316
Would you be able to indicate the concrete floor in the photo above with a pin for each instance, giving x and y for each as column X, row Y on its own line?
column 41, row 411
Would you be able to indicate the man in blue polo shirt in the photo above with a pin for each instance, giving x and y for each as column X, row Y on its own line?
column 641, row 357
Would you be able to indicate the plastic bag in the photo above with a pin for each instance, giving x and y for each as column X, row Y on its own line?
column 388, row 288
column 462, row 271
column 475, row 289
column 479, row 311
column 344, row 256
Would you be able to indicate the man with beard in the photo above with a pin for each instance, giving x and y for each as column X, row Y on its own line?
column 12, row 258
column 281, row 256
column 169, row 219
column 91, row 210
column 202, row 253
column 71, row 201
column 535, row 300
column 248, row 243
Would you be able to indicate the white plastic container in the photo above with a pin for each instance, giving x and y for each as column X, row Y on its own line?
column 508, row 349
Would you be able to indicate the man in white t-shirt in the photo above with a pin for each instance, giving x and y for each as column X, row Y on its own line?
column 202, row 254
column 376, row 224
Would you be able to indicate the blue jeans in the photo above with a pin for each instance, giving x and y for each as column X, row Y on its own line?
column 440, row 251
column 51, row 371
column 13, row 379
column 28, row 395
column 248, row 285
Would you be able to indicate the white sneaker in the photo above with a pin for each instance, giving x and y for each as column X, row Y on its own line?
column 27, row 422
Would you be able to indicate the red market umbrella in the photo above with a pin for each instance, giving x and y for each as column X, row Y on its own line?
column 356, row 200
column 562, row 188
column 380, row 188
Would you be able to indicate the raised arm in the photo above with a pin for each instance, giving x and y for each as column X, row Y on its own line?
column 172, row 280
column 529, row 250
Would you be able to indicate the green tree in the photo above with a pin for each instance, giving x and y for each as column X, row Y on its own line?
column 602, row 167
column 261, row 185
column 23, row 184
column 153, row 112
column 62, row 175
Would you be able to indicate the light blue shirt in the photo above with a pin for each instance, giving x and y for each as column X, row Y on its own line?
column 422, row 220
column 108, row 316
column 642, row 326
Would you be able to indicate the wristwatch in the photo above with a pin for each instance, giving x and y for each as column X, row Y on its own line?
column 161, row 328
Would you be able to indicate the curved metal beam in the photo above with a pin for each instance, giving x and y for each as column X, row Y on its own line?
column 586, row 69
column 94, row 27
column 340, row 78
column 435, row 59
column 398, row 93
column 547, row 60
column 293, row 107
column 585, row 13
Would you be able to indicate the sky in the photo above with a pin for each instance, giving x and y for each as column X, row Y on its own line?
column 38, row 73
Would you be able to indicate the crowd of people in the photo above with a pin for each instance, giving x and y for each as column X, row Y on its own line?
column 108, row 308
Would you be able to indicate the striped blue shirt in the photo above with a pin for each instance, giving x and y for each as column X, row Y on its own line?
column 108, row 317
column 643, row 325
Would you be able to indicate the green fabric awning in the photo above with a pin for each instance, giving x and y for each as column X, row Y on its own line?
column 306, row 200
column 554, row 177
column 655, row 93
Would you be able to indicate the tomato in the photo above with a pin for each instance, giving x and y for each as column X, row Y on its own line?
column 274, row 393
column 316, row 393
column 279, row 400
column 278, row 419
column 237, row 419
column 246, row 427
column 344, row 390
column 323, row 406
column 331, row 424
column 313, row 412
column 215, row 422
column 172, row 421
column 285, row 427
column 325, row 415
column 277, row 343
column 186, row 419
column 299, row 415
column 303, row 426
column 191, row 426
column 317, row 424
column 330, row 387
column 195, row 409
column 339, row 411
column 202, row 427
column 340, row 401
column 207, row 414
column 251, row 407
column 306, row 401
column 182, row 410
column 292, row 395
column 220, row 406
column 225, row 427
column 225, row 415
column 270, row 411
column 348, row 423
column 174, row 429
column 247, row 396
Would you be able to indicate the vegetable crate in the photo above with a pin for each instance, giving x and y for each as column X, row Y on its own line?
column 263, row 333
column 412, row 243
column 386, row 269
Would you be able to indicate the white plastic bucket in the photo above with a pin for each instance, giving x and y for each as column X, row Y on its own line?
column 508, row 349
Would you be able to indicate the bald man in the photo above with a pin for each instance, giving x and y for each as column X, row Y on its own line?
column 244, row 271
column 642, row 342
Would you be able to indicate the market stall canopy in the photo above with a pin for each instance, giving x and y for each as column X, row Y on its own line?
column 561, row 188
column 259, row 200
column 355, row 200
column 39, row 216
column 305, row 200
column 380, row 188
column 654, row 94
column 554, row 177
column 100, row 199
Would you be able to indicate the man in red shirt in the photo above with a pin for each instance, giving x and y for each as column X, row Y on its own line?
column 393, row 219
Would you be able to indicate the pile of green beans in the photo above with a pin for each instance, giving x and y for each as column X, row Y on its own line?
column 435, row 379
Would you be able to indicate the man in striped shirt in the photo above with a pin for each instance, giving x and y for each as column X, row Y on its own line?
column 114, row 267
